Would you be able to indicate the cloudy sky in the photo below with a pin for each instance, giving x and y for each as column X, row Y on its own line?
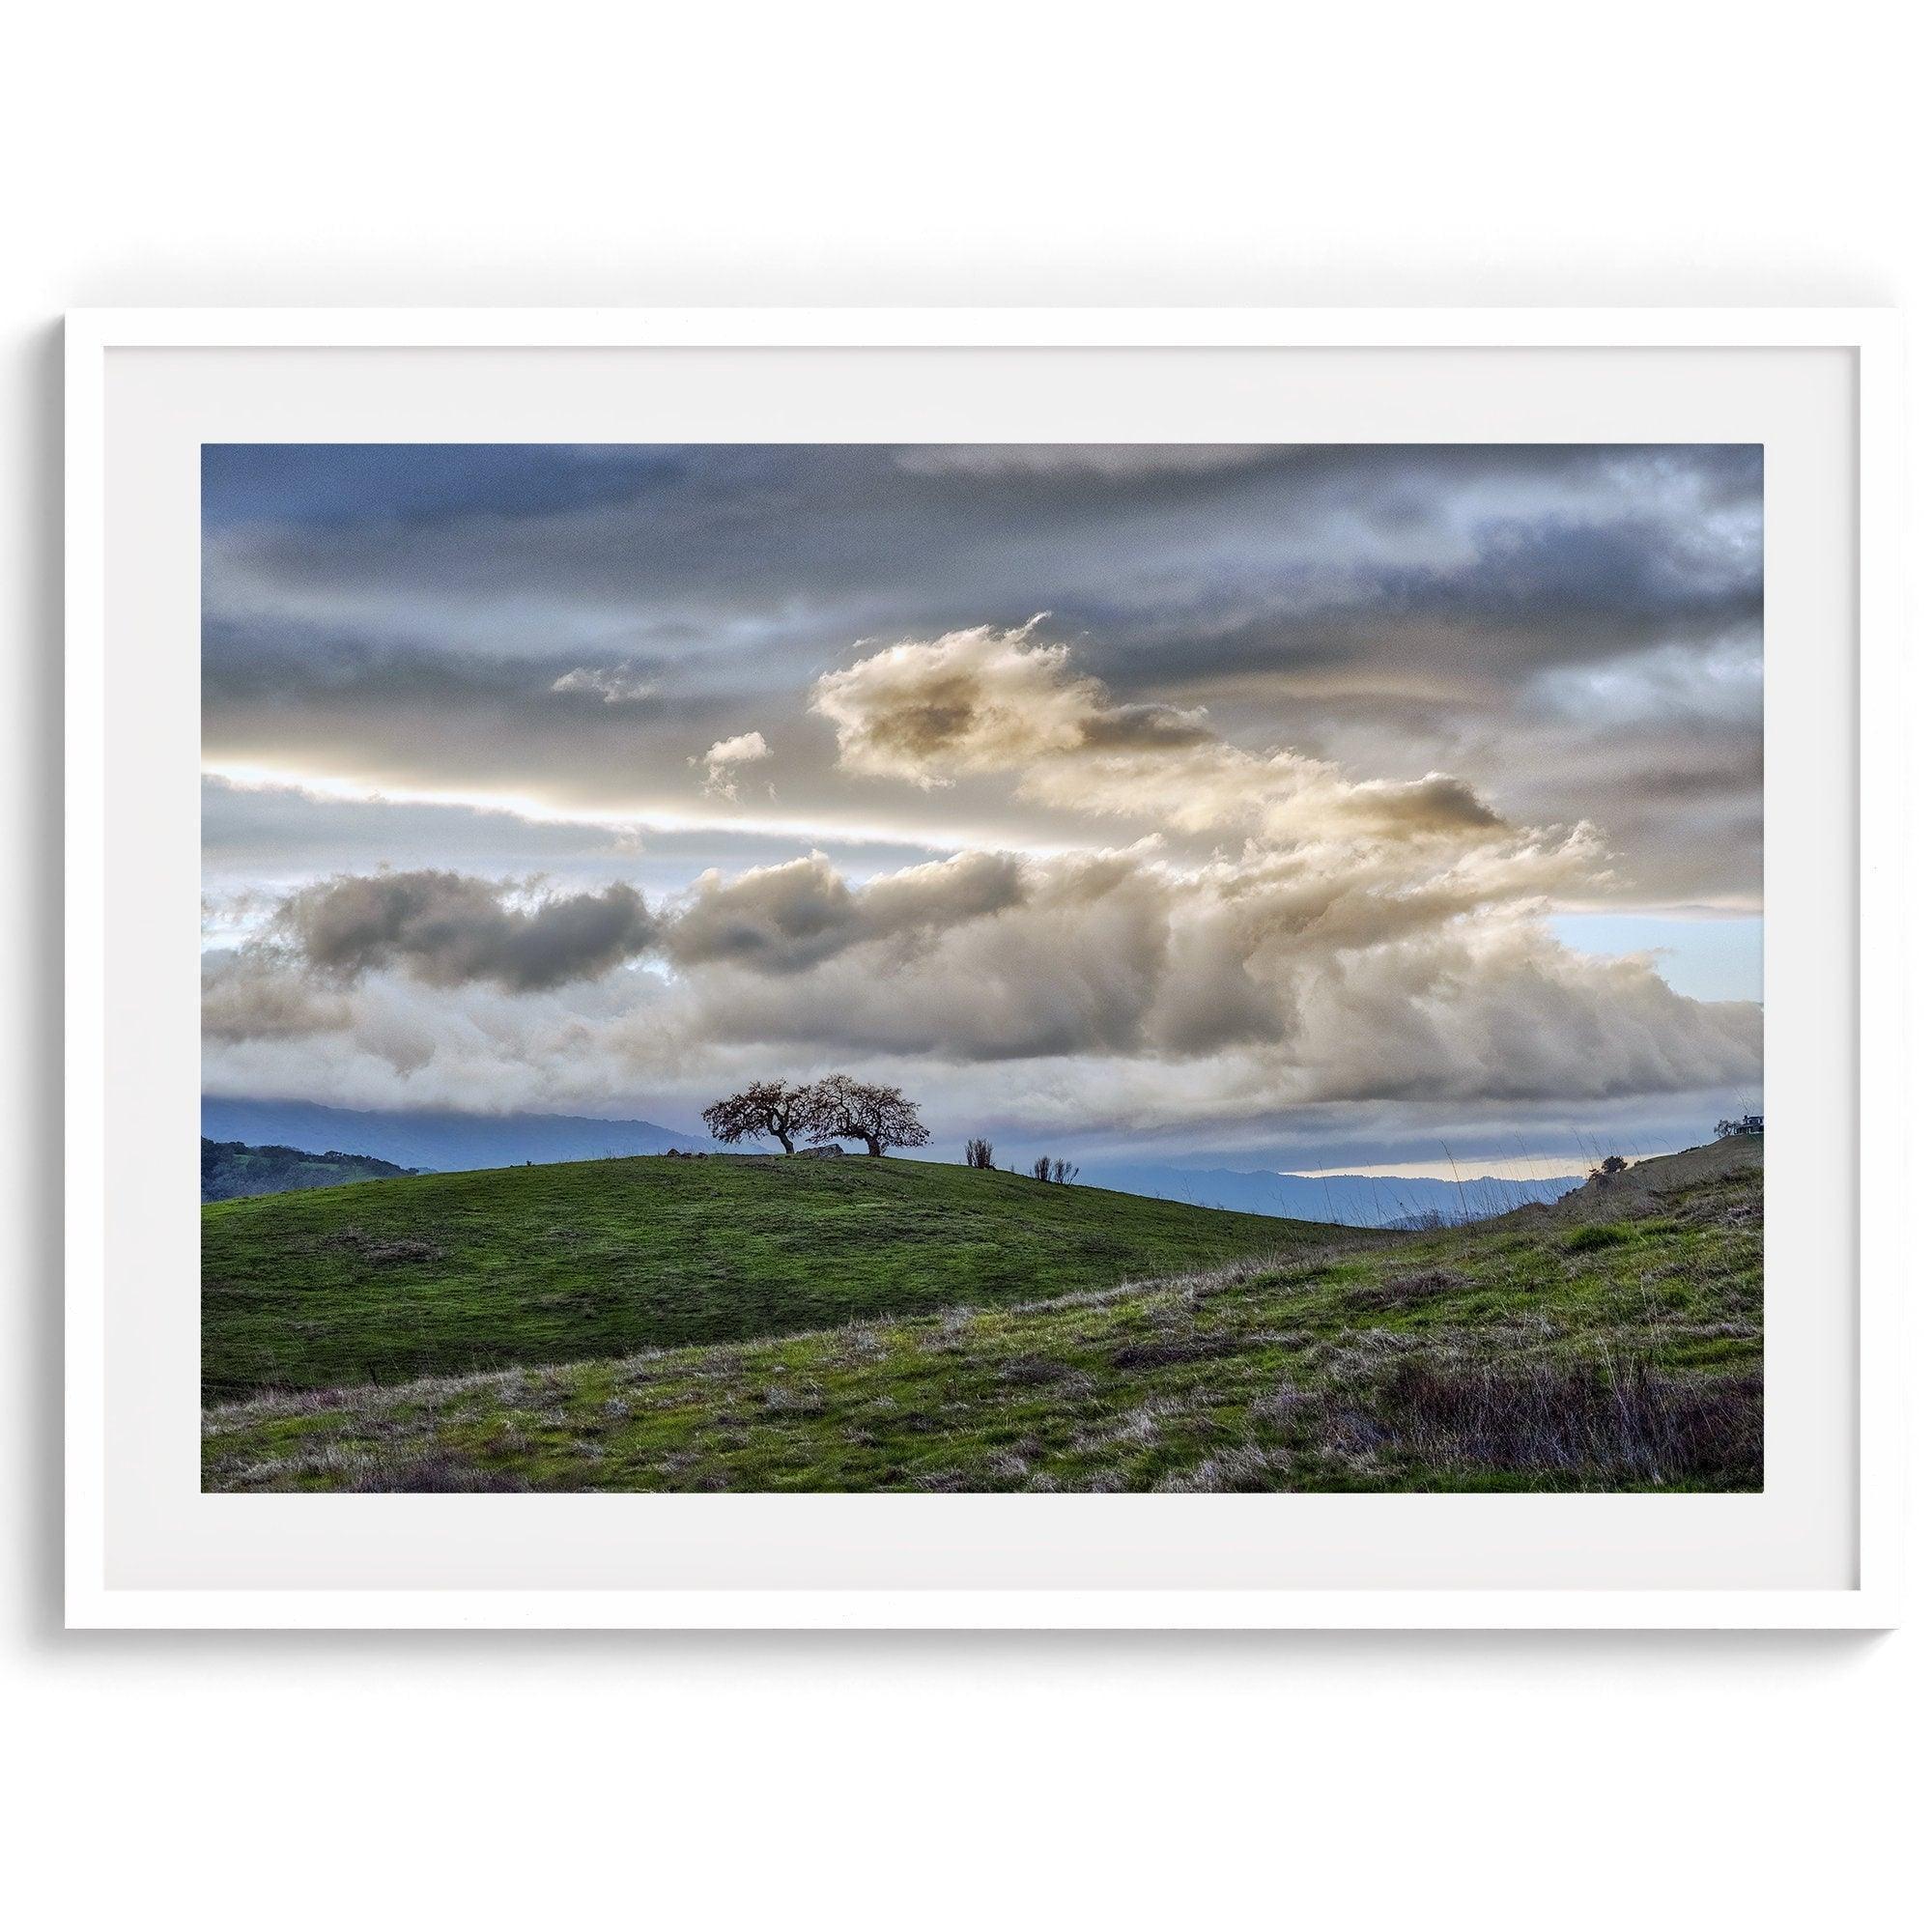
column 1293, row 806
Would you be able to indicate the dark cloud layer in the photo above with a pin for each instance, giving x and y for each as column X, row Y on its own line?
column 817, row 546
column 787, row 919
column 448, row 930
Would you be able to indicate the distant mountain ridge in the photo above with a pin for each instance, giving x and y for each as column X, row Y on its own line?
column 232, row 1170
column 445, row 1142
column 1358, row 1200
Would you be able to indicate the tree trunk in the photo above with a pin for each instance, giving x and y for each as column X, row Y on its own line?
column 873, row 1144
column 784, row 1141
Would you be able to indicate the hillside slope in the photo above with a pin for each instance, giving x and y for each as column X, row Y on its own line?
column 1624, row 1354
column 1646, row 1185
column 449, row 1272
column 230, row 1171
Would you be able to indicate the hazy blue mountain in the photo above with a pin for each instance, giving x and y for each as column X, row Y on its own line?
column 445, row 1142
column 1358, row 1199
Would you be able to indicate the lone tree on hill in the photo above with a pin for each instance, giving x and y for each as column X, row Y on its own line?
column 979, row 1152
column 770, row 1110
column 881, row 1117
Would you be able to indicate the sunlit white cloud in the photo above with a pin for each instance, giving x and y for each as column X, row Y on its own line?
column 722, row 761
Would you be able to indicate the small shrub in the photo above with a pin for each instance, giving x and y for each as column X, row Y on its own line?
column 979, row 1152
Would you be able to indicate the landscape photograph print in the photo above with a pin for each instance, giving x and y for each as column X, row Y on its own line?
column 968, row 968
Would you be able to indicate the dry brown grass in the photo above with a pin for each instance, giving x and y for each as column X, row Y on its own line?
column 1624, row 1421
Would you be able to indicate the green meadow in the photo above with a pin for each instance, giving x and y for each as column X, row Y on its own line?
column 885, row 1325
column 439, row 1274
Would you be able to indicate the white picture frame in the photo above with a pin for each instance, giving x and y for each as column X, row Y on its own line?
column 100, row 1595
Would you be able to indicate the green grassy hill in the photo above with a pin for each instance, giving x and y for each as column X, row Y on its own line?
column 443, row 1273
column 1536, row 1352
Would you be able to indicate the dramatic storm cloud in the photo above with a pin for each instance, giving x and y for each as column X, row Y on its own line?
column 1173, row 790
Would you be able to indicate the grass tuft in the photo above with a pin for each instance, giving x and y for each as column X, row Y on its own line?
column 1602, row 1235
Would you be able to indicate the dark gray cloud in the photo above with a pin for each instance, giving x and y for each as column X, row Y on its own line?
column 1529, row 599
column 778, row 547
column 448, row 930
column 787, row 919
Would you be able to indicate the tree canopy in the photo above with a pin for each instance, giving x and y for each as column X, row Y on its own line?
column 881, row 1117
column 769, row 1110
column 835, row 1108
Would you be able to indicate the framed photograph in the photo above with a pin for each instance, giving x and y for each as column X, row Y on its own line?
column 984, row 969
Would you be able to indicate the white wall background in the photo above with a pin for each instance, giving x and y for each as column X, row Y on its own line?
column 205, row 152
